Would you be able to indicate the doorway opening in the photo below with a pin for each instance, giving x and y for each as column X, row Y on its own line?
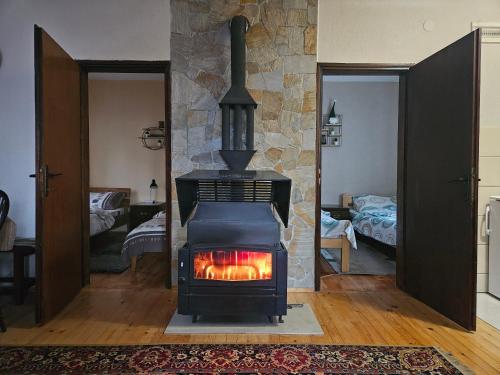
column 359, row 138
column 126, row 177
column 360, row 150
column 126, row 163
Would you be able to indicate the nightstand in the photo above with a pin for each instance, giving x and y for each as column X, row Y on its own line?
column 143, row 211
column 337, row 212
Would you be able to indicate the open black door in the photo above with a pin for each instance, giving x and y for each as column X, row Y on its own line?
column 440, row 216
column 59, row 177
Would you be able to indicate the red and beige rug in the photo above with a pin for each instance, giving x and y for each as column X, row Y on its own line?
column 167, row 359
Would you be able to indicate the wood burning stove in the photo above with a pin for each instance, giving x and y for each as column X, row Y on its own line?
column 233, row 261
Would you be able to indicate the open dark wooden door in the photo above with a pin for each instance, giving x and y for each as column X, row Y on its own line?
column 440, row 216
column 58, row 175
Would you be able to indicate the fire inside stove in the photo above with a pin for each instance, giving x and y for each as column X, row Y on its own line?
column 233, row 265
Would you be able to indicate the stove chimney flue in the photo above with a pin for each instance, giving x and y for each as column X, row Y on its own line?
column 238, row 28
column 239, row 102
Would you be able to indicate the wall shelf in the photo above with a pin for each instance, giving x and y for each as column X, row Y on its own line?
column 331, row 133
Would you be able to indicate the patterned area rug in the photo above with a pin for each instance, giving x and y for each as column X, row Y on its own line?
column 165, row 359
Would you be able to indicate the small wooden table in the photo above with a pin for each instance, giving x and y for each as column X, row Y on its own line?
column 23, row 247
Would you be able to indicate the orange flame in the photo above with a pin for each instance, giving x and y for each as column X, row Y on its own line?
column 233, row 265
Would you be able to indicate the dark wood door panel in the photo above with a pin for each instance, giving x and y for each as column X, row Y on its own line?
column 441, row 188
column 59, row 166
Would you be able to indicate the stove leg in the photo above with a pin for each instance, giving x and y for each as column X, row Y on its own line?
column 270, row 318
column 195, row 318
column 280, row 319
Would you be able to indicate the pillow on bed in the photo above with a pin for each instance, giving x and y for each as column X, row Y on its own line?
column 109, row 200
column 369, row 203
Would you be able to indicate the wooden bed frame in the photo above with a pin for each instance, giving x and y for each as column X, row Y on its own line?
column 341, row 242
column 127, row 191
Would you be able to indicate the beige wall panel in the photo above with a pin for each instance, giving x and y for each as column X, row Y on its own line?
column 489, row 171
column 118, row 110
column 395, row 31
column 490, row 85
column 482, row 258
column 489, row 138
column 482, row 282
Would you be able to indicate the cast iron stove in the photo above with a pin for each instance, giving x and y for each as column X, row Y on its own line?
column 233, row 262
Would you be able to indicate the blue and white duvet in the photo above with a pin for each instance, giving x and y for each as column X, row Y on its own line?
column 375, row 217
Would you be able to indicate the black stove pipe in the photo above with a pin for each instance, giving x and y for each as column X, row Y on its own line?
column 238, row 29
column 238, row 50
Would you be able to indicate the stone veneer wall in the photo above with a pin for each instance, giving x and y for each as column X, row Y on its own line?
column 281, row 77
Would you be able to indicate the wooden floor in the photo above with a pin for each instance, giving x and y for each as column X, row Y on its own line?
column 351, row 309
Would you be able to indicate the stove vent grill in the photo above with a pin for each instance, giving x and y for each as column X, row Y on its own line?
column 235, row 191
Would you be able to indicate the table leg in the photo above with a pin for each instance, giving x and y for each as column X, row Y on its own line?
column 18, row 277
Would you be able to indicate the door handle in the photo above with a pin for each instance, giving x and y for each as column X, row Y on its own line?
column 469, row 191
column 44, row 175
column 50, row 175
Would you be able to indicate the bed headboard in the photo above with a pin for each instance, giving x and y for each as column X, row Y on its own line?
column 126, row 200
column 346, row 200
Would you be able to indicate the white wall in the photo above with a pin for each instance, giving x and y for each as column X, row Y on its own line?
column 118, row 110
column 90, row 29
column 392, row 30
column 366, row 162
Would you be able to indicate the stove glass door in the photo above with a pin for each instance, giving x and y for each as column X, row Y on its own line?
column 233, row 265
